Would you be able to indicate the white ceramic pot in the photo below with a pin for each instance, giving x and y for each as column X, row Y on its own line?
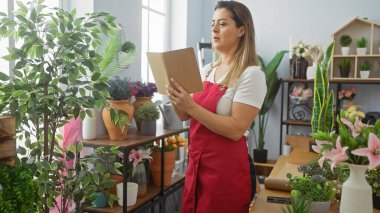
column 286, row 149
column 361, row 51
column 356, row 192
column 132, row 189
column 310, row 72
column 345, row 50
column 89, row 126
column 320, row 207
column 364, row 73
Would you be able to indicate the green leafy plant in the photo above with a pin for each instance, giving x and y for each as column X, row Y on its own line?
column 345, row 40
column 312, row 188
column 362, row 42
column 339, row 173
column 147, row 112
column 344, row 64
column 56, row 67
column 373, row 178
column 273, row 85
column 19, row 190
column 323, row 109
column 297, row 205
column 365, row 66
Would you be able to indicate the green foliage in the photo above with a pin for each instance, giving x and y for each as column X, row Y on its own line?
column 19, row 190
column 119, row 89
column 373, row 178
column 365, row 66
column 362, row 42
column 345, row 40
column 147, row 112
column 297, row 205
column 273, row 84
column 76, row 182
column 344, row 64
column 339, row 173
column 312, row 188
column 323, row 109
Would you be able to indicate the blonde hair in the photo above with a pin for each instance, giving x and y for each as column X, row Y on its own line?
column 245, row 54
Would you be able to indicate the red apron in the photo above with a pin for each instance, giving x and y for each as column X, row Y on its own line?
column 217, row 176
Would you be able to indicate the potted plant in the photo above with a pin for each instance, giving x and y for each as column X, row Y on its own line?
column 147, row 115
column 120, row 92
column 18, row 190
column 298, row 204
column 168, row 146
column 301, row 51
column 315, row 189
column 365, row 69
column 139, row 175
column 346, row 96
column 143, row 93
column 316, row 53
column 344, row 68
column 373, row 178
column 362, row 46
column 47, row 89
column 345, row 41
column 273, row 84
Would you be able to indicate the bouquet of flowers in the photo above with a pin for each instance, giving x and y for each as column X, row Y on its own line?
column 356, row 143
column 144, row 89
column 138, row 156
column 300, row 94
column 348, row 94
column 301, row 50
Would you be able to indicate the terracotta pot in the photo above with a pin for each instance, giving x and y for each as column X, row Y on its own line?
column 113, row 130
column 169, row 165
column 140, row 101
column 118, row 179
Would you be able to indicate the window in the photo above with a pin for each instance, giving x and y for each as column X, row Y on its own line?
column 7, row 7
column 154, row 28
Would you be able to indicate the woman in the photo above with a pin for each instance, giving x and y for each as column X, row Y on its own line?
column 218, row 175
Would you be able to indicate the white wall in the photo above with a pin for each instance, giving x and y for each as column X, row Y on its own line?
column 313, row 22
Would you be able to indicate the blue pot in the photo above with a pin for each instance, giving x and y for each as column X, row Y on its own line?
column 100, row 200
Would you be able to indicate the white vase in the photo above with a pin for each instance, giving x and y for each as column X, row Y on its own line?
column 310, row 72
column 286, row 149
column 364, row 73
column 356, row 192
column 132, row 189
column 361, row 51
column 89, row 126
column 345, row 50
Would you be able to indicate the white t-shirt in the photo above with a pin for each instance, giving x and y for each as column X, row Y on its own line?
column 249, row 89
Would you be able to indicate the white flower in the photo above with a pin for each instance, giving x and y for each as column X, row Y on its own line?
column 301, row 45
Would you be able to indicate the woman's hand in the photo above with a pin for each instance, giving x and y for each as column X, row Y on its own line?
column 179, row 97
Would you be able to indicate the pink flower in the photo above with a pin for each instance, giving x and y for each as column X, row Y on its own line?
column 308, row 93
column 337, row 155
column 341, row 94
column 372, row 151
column 348, row 93
column 138, row 156
column 318, row 148
column 356, row 128
column 354, row 90
column 295, row 93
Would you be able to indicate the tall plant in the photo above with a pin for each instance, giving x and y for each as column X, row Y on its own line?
column 273, row 85
column 56, row 67
column 323, row 109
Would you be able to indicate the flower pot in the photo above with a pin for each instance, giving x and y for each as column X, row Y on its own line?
column 148, row 128
column 89, row 126
column 364, row 73
column 320, row 207
column 300, row 67
column 345, row 50
column 286, row 149
column 260, row 155
column 356, row 192
column 139, row 177
column 114, row 132
column 155, row 167
column 376, row 201
column 132, row 189
column 344, row 73
column 140, row 101
column 361, row 51
column 100, row 200
column 118, row 179
column 310, row 72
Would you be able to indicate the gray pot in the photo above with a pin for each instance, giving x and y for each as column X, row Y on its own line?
column 320, row 207
column 148, row 128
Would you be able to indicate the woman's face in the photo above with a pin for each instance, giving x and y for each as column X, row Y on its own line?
column 225, row 34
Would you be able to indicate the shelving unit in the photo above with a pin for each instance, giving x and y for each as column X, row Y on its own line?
column 285, row 121
column 356, row 29
column 155, row 195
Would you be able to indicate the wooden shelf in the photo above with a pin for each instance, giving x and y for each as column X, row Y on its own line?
column 297, row 122
column 152, row 192
column 338, row 80
column 134, row 138
column 269, row 163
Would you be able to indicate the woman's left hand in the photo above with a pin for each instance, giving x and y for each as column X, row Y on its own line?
column 179, row 97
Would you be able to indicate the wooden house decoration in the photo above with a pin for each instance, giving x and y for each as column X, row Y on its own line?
column 356, row 29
